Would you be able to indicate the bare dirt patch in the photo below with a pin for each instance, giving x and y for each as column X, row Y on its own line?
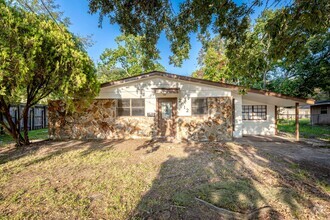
column 304, row 153
column 158, row 180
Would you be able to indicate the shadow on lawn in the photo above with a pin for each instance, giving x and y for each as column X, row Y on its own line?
column 205, row 174
column 226, row 180
column 228, row 176
column 56, row 148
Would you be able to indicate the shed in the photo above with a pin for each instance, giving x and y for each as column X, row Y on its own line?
column 320, row 113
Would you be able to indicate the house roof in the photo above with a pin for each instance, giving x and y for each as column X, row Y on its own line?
column 207, row 82
column 325, row 102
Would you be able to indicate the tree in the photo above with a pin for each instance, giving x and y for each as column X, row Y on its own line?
column 212, row 61
column 292, row 27
column 151, row 18
column 308, row 76
column 245, row 65
column 288, row 30
column 44, row 7
column 250, row 62
column 129, row 56
column 107, row 75
column 39, row 59
column 255, row 63
column 300, row 66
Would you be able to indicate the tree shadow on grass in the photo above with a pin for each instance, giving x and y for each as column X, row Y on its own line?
column 220, row 181
column 229, row 176
column 49, row 149
column 10, row 152
column 206, row 174
column 151, row 145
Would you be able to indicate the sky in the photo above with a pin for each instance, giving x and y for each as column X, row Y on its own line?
column 85, row 24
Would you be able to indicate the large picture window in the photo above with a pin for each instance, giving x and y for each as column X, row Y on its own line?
column 254, row 112
column 130, row 107
column 199, row 106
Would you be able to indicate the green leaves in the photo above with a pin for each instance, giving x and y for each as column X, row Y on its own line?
column 213, row 61
column 128, row 59
column 38, row 60
column 292, row 26
column 151, row 18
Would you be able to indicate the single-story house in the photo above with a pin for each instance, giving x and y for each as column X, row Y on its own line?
column 320, row 113
column 164, row 105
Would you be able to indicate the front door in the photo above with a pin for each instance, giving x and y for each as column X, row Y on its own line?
column 166, row 117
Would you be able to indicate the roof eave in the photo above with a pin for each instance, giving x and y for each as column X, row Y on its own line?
column 203, row 81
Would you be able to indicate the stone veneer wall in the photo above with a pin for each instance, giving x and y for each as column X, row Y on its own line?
column 99, row 121
column 216, row 126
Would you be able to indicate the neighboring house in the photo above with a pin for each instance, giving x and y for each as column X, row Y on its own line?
column 320, row 113
column 159, row 104
column 37, row 117
column 289, row 112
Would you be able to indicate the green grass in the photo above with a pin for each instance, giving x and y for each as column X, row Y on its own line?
column 41, row 134
column 306, row 129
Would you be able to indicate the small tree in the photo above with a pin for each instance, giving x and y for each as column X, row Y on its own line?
column 39, row 59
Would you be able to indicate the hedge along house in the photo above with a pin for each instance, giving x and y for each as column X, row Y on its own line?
column 163, row 105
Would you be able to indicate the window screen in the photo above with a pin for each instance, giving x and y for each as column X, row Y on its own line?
column 137, row 107
column 254, row 112
column 130, row 107
column 199, row 106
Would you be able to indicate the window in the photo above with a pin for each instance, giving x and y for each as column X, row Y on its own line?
column 199, row 106
column 254, row 112
column 324, row 110
column 130, row 107
column 124, row 107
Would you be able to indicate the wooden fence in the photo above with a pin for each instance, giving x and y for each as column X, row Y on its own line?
column 37, row 117
column 292, row 116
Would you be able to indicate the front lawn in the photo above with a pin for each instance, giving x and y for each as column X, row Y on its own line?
column 306, row 129
column 40, row 134
column 140, row 179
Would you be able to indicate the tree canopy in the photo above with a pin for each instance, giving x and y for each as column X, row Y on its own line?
column 150, row 18
column 128, row 59
column 288, row 29
column 212, row 60
column 254, row 64
column 39, row 59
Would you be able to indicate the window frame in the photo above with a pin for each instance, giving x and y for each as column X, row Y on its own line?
column 255, row 112
column 324, row 111
column 196, row 107
column 131, row 107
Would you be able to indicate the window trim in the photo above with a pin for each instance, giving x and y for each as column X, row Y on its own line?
column 206, row 105
column 131, row 108
column 264, row 117
column 325, row 108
